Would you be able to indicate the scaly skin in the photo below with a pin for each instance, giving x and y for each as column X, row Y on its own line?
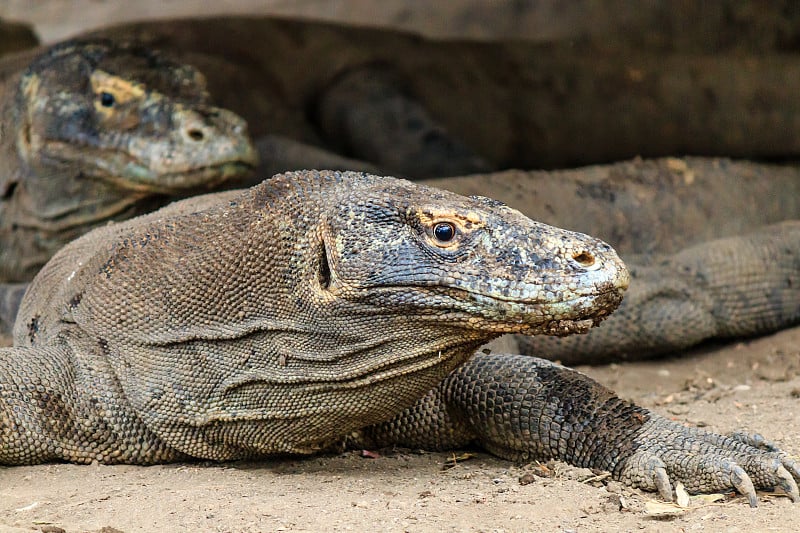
column 318, row 306
column 94, row 131
column 524, row 408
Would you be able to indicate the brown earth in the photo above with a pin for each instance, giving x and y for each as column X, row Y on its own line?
column 753, row 385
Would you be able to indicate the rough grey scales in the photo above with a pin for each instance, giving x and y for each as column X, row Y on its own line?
column 319, row 307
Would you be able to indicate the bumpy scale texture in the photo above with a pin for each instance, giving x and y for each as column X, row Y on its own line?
column 322, row 306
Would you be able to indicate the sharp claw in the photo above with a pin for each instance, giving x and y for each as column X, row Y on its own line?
column 788, row 484
column 741, row 482
column 662, row 482
column 764, row 444
column 792, row 466
column 752, row 499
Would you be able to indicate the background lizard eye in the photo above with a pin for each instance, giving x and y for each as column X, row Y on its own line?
column 106, row 99
column 444, row 231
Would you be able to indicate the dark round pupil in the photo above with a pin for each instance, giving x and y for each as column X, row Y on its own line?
column 106, row 99
column 444, row 231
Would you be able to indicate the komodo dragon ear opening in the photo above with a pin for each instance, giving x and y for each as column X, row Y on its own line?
column 324, row 274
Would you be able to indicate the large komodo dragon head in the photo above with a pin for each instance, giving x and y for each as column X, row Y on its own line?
column 271, row 319
column 93, row 130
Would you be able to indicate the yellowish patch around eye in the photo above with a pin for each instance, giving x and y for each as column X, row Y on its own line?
column 121, row 89
column 30, row 86
column 462, row 222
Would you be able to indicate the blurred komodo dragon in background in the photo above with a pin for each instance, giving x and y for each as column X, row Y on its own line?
column 94, row 131
column 319, row 307
column 419, row 107
column 402, row 101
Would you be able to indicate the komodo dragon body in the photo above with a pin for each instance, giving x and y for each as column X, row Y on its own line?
column 92, row 131
column 319, row 307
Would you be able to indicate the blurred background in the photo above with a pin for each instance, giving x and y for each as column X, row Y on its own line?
column 676, row 23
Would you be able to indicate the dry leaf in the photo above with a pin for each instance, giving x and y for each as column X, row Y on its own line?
column 454, row 459
column 705, row 499
column 653, row 508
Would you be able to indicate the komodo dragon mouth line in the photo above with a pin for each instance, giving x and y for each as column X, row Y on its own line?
column 133, row 174
column 605, row 291
column 178, row 181
column 196, row 175
column 545, row 317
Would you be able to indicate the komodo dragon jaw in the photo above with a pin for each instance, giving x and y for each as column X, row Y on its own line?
column 125, row 114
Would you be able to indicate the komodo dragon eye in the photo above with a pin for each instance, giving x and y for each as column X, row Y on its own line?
column 444, row 231
column 107, row 99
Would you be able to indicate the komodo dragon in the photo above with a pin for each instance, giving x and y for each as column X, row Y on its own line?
column 92, row 131
column 517, row 104
column 319, row 307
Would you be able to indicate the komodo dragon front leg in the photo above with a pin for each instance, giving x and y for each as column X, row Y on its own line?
column 524, row 408
column 283, row 318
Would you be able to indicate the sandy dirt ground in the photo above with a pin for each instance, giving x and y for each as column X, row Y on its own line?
column 753, row 385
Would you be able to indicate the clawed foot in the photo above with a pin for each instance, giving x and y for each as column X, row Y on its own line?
column 668, row 452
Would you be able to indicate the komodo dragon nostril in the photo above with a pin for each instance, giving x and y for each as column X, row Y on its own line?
column 586, row 260
column 195, row 134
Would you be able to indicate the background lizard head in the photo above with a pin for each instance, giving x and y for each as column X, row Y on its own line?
column 126, row 114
